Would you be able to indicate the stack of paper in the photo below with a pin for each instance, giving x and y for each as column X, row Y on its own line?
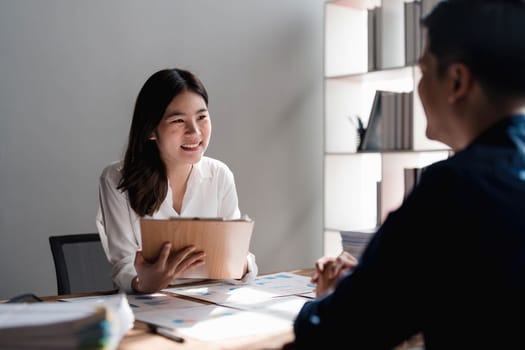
column 267, row 305
column 59, row 325
column 355, row 242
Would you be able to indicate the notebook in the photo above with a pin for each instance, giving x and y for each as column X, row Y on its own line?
column 225, row 242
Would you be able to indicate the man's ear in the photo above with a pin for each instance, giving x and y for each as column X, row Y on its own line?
column 460, row 81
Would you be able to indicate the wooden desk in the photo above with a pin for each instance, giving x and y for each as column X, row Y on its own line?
column 140, row 337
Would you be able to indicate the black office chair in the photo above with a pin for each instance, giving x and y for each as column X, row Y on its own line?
column 80, row 264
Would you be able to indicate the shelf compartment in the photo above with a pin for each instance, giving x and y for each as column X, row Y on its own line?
column 392, row 187
column 345, row 44
column 332, row 243
column 350, row 188
column 345, row 99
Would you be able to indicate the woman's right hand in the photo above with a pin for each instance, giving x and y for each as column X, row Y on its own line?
column 152, row 277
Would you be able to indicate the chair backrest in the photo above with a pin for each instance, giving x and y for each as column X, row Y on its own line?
column 80, row 264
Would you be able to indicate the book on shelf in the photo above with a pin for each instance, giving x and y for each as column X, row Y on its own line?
column 410, row 32
column 394, row 33
column 60, row 325
column 405, row 138
column 390, row 123
column 372, row 137
column 373, row 38
column 411, row 178
column 390, row 28
column 413, row 42
column 418, row 31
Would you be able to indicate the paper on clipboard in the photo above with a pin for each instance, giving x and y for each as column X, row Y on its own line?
column 225, row 242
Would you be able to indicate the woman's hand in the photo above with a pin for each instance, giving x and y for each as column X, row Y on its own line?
column 152, row 277
column 328, row 271
column 250, row 271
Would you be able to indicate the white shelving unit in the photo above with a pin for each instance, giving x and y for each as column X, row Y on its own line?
column 361, row 188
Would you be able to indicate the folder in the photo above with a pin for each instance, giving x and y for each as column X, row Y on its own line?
column 225, row 242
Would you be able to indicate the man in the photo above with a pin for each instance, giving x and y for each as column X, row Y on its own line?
column 450, row 262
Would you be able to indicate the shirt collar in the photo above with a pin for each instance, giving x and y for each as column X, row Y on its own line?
column 201, row 170
column 508, row 131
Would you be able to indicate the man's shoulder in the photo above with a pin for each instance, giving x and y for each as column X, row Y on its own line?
column 467, row 166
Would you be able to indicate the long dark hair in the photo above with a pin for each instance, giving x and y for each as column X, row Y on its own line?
column 144, row 173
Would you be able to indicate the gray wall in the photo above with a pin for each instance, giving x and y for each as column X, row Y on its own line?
column 69, row 75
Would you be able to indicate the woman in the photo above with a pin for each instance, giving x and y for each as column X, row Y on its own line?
column 164, row 174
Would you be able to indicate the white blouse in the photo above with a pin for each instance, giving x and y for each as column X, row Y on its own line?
column 210, row 192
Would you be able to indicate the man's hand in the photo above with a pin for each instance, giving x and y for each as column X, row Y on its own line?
column 329, row 270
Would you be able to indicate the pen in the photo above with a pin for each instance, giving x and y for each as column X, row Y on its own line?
column 165, row 332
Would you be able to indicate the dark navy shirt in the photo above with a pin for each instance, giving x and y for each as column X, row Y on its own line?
column 449, row 263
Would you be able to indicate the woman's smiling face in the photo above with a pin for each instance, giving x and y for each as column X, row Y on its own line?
column 184, row 131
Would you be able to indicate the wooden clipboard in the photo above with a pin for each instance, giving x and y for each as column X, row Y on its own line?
column 225, row 242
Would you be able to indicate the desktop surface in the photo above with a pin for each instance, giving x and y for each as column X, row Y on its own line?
column 142, row 337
